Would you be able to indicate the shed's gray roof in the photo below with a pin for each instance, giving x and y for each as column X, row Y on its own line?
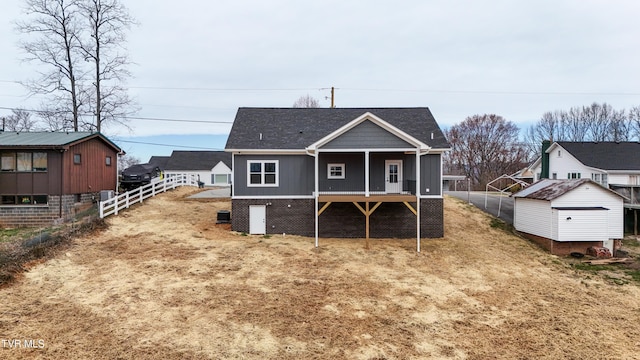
column 297, row 128
column 48, row 139
column 605, row 155
column 549, row 189
column 197, row 160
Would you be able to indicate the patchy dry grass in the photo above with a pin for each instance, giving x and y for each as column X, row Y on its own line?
column 163, row 281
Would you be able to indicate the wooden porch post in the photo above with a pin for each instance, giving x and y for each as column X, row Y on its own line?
column 366, row 207
column 366, row 173
column 635, row 222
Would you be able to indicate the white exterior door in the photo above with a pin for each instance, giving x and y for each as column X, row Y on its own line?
column 257, row 219
column 393, row 176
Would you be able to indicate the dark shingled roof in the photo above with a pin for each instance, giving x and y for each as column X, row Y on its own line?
column 297, row 128
column 159, row 161
column 605, row 155
column 197, row 160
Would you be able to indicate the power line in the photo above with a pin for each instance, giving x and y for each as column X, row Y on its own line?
column 137, row 117
column 178, row 120
column 496, row 92
column 220, row 89
column 443, row 91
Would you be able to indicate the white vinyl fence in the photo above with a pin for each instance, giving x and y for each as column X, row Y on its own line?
column 122, row 201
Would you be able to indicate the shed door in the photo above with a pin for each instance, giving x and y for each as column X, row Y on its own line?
column 257, row 219
column 393, row 176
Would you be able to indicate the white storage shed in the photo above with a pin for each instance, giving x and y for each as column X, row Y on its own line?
column 567, row 216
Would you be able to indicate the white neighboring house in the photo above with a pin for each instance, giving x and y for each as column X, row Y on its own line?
column 567, row 216
column 615, row 163
column 212, row 168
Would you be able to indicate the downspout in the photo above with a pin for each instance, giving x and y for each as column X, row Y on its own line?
column 316, row 186
column 418, row 185
column 315, row 195
column 233, row 174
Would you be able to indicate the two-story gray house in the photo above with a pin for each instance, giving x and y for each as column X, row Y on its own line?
column 350, row 172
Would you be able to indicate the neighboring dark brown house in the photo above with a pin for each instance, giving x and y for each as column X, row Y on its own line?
column 47, row 176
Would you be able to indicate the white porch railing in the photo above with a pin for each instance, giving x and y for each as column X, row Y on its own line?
column 122, row 201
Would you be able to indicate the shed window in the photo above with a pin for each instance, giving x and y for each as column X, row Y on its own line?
column 107, row 160
column 262, row 173
column 77, row 158
column 335, row 171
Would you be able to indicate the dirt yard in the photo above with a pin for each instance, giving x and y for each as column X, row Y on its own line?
column 164, row 282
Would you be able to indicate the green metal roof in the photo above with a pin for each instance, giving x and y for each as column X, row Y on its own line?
column 48, row 139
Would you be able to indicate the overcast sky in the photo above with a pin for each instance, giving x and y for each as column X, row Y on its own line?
column 202, row 59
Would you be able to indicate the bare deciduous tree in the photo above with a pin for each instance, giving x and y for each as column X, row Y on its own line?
column 634, row 121
column 126, row 161
column 598, row 120
column 485, row 147
column 595, row 122
column 107, row 24
column 306, row 101
column 80, row 44
column 19, row 120
column 549, row 127
column 621, row 126
column 53, row 40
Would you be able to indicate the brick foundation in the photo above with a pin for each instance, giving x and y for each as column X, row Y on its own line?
column 432, row 218
column 290, row 216
column 564, row 248
column 341, row 220
column 44, row 215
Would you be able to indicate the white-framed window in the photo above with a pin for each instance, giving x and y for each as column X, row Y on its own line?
column 335, row 171
column 601, row 179
column 221, row 179
column 574, row 175
column 262, row 173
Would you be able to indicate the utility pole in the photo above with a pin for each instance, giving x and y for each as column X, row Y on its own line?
column 333, row 104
